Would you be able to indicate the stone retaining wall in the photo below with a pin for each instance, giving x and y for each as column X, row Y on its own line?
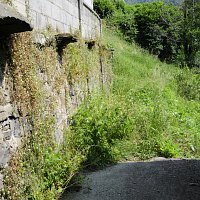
column 64, row 16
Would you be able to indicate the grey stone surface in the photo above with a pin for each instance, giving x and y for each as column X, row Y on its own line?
column 61, row 15
column 3, row 116
column 5, row 112
column 11, row 21
column 4, row 154
column 158, row 180
column 10, row 133
column 1, row 182
column 40, row 39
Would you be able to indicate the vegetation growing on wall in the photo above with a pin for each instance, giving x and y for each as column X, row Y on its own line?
column 45, row 164
column 6, row 1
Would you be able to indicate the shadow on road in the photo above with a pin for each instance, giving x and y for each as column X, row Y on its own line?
column 156, row 180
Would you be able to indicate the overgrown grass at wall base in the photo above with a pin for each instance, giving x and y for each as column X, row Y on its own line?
column 41, row 168
column 97, row 126
column 153, row 110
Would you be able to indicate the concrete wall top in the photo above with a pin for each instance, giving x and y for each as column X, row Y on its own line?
column 64, row 16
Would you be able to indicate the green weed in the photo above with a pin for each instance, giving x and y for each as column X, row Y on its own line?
column 163, row 102
column 153, row 110
column 97, row 126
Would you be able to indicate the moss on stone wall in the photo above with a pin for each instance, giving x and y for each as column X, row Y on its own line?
column 45, row 93
column 6, row 1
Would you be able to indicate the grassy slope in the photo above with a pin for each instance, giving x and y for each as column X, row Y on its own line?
column 162, row 102
column 153, row 110
column 175, row 2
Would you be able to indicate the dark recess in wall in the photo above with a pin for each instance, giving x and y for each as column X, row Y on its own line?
column 11, row 21
column 4, row 56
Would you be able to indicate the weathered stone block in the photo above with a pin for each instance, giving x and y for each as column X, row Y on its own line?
column 6, row 127
column 5, row 112
column 1, row 137
column 7, row 135
column 7, row 108
column 3, row 116
column 20, row 6
column 17, row 132
column 4, row 154
column 1, row 181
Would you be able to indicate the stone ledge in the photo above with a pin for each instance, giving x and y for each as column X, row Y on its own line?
column 11, row 21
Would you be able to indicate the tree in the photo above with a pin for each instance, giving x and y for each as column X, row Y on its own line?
column 191, row 32
column 104, row 8
column 158, row 28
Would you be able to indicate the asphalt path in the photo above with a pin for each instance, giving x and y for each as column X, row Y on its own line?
column 152, row 180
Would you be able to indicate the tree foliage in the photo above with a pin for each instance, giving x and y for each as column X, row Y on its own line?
column 191, row 32
column 106, row 8
column 173, row 2
column 158, row 30
column 170, row 32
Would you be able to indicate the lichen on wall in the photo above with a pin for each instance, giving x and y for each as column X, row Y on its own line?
column 10, row 129
column 39, row 93
column 6, row 1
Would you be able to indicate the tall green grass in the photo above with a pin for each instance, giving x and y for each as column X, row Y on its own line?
column 160, row 102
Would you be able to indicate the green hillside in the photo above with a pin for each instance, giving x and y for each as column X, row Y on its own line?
column 163, row 103
column 153, row 109
column 175, row 2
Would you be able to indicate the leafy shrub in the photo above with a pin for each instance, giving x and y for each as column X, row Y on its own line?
column 158, row 29
column 97, row 126
column 119, row 4
column 188, row 84
column 104, row 8
column 167, row 149
column 125, row 22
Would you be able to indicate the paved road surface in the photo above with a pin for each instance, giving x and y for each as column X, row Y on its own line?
column 156, row 180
